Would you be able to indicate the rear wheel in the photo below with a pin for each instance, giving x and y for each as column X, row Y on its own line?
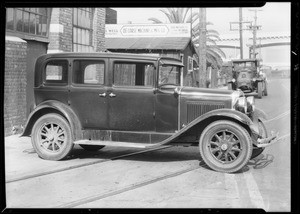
column 225, row 146
column 266, row 89
column 259, row 90
column 91, row 147
column 51, row 137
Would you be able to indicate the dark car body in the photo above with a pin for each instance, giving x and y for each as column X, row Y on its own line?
column 111, row 99
column 247, row 77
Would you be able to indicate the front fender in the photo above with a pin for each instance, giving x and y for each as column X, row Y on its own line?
column 216, row 114
column 53, row 106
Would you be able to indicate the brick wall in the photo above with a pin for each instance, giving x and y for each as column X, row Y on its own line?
column 99, row 29
column 14, row 85
column 61, row 30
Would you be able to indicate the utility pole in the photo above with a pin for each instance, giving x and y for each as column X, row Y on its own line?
column 202, row 47
column 254, row 28
column 241, row 31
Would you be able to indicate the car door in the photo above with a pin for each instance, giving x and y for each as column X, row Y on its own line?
column 88, row 92
column 131, row 97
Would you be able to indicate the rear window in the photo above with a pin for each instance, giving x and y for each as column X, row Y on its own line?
column 56, row 71
column 88, row 72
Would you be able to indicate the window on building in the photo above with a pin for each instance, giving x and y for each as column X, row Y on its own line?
column 56, row 71
column 88, row 72
column 82, row 29
column 28, row 20
column 133, row 74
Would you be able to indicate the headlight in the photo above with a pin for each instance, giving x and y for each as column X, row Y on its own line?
column 245, row 105
column 254, row 79
column 233, row 80
column 250, row 104
column 241, row 104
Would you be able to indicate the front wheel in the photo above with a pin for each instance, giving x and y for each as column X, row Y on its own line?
column 225, row 146
column 51, row 137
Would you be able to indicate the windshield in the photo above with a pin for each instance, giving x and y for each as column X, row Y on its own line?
column 169, row 74
column 242, row 65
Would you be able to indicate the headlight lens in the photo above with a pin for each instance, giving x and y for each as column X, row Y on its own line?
column 254, row 79
column 233, row 80
column 245, row 105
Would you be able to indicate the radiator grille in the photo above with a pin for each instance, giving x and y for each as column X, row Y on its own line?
column 196, row 109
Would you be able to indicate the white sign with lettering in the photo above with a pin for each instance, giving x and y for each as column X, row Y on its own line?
column 147, row 30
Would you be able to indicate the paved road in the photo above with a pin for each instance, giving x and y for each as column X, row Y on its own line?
column 167, row 178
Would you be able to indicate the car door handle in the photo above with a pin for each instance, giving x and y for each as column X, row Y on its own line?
column 102, row 95
column 112, row 95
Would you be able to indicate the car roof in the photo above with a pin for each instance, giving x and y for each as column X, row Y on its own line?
column 104, row 54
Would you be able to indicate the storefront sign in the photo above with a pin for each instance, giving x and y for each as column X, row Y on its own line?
column 147, row 30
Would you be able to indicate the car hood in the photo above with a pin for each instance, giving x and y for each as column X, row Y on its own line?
column 205, row 92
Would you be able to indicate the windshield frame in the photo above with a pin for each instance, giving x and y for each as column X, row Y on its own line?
column 171, row 70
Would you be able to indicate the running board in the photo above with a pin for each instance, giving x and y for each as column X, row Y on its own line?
column 116, row 144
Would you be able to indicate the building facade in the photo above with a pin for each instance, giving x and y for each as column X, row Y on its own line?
column 31, row 32
column 168, row 40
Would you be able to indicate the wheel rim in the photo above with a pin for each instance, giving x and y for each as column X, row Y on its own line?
column 52, row 137
column 225, row 146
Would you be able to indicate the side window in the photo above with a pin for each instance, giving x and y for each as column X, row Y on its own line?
column 56, row 71
column 133, row 74
column 88, row 72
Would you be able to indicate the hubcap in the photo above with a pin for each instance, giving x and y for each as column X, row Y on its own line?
column 225, row 146
column 52, row 137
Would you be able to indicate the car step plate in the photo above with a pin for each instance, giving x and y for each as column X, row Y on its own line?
column 115, row 143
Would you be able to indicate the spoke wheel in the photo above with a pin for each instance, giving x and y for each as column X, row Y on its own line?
column 263, row 132
column 225, row 146
column 51, row 137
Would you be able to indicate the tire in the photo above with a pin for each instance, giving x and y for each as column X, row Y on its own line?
column 91, row 147
column 229, row 86
column 51, row 137
column 263, row 132
column 225, row 146
column 266, row 89
column 259, row 90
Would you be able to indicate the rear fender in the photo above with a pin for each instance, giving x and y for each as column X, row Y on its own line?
column 52, row 106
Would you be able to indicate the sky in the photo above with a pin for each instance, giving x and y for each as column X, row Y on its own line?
column 274, row 17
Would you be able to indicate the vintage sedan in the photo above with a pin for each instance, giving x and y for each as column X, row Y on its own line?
column 246, row 76
column 131, row 100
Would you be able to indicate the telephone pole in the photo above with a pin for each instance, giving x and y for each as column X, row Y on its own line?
column 241, row 29
column 254, row 28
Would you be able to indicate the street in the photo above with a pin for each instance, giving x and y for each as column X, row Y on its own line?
column 173, row 177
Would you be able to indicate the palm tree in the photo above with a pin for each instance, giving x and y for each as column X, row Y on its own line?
column 183, row 15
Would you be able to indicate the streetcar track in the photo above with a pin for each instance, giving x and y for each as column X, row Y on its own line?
column 124, row 189
column 84, row 164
